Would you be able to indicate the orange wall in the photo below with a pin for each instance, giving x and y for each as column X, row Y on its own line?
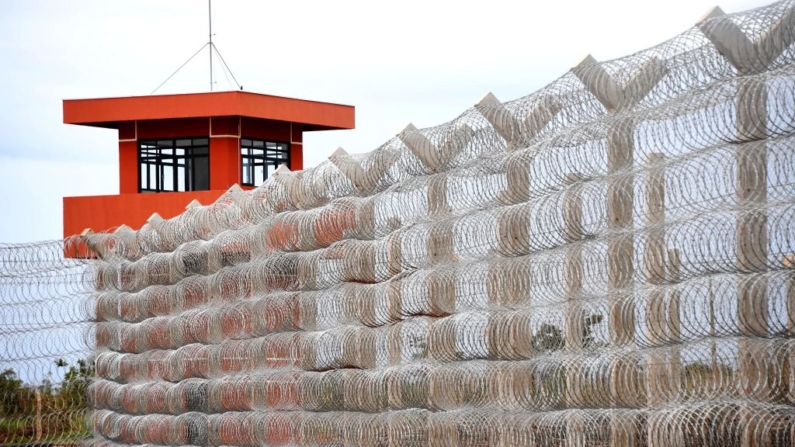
column 105, row 212
column 127, row 130
column 296, row 147
column 173, row 128
column 265, row 130
column 296, row 157
column 224, row 162
column 128, row 167
column 225, row 125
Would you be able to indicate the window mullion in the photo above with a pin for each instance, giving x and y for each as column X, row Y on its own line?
column 261, row 154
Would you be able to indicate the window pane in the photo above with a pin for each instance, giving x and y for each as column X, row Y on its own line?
column 152, row 177
column 168, row 178
column 144, row 175
column 174, row 165
column 247, row 180
column 201, row 169
column 181, row 180
column 259, row 175
column 259, row 158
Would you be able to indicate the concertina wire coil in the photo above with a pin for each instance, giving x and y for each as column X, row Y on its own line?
column 607, row 261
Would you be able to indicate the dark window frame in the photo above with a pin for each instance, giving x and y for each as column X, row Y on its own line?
column 161, row 161
column 267, row 156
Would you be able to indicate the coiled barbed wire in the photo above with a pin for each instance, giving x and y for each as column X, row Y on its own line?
column 46, row 315
column 607, row 261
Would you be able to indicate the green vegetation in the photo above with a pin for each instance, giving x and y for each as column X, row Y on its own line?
column 46, row 414
column 550, row 338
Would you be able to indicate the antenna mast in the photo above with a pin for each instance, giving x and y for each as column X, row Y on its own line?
column 224, row 66
column 210, row 15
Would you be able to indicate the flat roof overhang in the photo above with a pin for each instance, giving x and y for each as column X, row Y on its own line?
column 109, row 112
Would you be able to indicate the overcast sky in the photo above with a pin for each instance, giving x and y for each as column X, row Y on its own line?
column 398, row 62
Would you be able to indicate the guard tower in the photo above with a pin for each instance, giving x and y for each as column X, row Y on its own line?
column 174, row 149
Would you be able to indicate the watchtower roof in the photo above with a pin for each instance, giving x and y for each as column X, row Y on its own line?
column 109, row 112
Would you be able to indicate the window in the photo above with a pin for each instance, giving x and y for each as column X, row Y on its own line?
column 260, row 158
column 174, row 165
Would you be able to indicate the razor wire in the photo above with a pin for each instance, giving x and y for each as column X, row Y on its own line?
column 46, row 315
column 607, row 261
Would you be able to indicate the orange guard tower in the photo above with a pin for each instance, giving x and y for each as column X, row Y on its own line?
column 177, row 148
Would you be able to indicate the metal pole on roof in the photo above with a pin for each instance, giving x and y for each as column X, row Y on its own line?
column 212, row 48
column 210, row 15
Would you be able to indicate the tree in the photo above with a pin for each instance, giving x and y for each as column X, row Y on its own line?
column 587, row 328
column 10, row 391
column 550, row 338
column 75, row 383
column 48, row 412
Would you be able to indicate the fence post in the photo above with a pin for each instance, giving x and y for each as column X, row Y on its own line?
column 38, row 415
column 789, row 263
column 655, row 275
column 363, row 180
column 620, row 198
column 574, row 332
column 515, row 132
column 573, row 268
column 674, row 320
column 751, row 236
column 420, row 146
